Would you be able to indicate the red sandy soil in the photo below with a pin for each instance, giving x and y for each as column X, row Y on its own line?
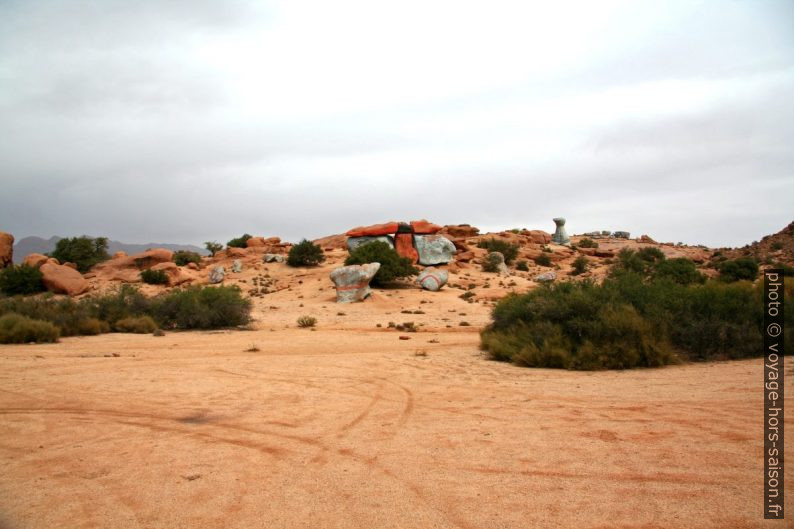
column 356, row 428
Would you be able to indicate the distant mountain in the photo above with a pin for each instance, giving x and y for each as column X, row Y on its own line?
column 29, row 245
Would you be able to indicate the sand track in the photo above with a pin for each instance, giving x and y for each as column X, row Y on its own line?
column 191, row 430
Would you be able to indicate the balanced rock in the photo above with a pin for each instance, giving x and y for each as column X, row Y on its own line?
column 546, row 277
column 62, row 279
column 352, row 282
column 387, row 228
column 6, row 249
column 355, row 242
column 434, row 249
column 35, row 260
column 273, row 258
column 423, row 227
column 237, row 266
column 432, row 278
column 217, row 274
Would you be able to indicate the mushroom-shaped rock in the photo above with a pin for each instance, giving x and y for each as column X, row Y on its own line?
column 35, row 260
column 352, row 282
column 560, row 236
column 217, row 274
column 432, row 278
column 62, row 279
column 355, row 242
column 237, row 266
column 434, row 249
column 6, row 249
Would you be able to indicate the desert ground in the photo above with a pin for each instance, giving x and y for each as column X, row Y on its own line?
column 359, row 424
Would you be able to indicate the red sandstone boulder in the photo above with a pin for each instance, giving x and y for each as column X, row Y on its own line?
column 255, row 242
column 388, row 228
column 460, row 231
column 538, row 236
column 6, row 249
column 35, row 260
column 62, row 279
column 236, row 252
column 423, row 227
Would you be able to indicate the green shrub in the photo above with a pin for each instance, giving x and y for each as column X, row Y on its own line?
column 543, row 260
column 522, row 266
column 83, row 251
column 307, row 321
column 629, row 262
column 183, row 257
column 580, row 265
column 20, row 280
column 777, row 245
column 510, row 251
column 392, row 265
column 192, row 308
column 587, row 242
column 650, row 254
column 15, row 328
column 137, row 325
column 154, row 277
column 305, row 253
column 491, row 262
column 239, row 242
column 680, row 269
column 213, row 247
column 201, row 308
column 629, row 322
column 743, row 268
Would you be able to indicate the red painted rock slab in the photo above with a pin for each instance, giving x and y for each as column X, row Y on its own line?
column 423, row 227
column 374, row 230
column 404, row 245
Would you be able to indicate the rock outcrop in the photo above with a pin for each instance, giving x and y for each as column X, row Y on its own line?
column 35, row 260
column 273, row 258
column 62, row 279
column 352, row 282
column 217, row 274
column 6, row 249
column 175, row 274
column 432, row 278
column 434, row 249
column 546, row 277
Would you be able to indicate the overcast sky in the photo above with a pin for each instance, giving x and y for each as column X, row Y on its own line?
column 192, row 120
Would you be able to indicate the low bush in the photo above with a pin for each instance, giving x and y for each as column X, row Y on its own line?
column 238, row 242
column 20, row 280
column 580, row 265
column 305, row 253
column 15, row 328
column 392, row 265
column 183, row 257
column 743, row 268
column 202, row 308
column 630, row 322
column 650, row 254
column 510, row 251
column 587, row 242
column 522, row 266
column 154, row 277
column 680, row 270
column 137, row 325
column 543, row 260
column 307, row 321
column 190, row 308
column 491, row 262
column 83, row 251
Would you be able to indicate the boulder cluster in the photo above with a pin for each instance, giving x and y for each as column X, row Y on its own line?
column 418, row 240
